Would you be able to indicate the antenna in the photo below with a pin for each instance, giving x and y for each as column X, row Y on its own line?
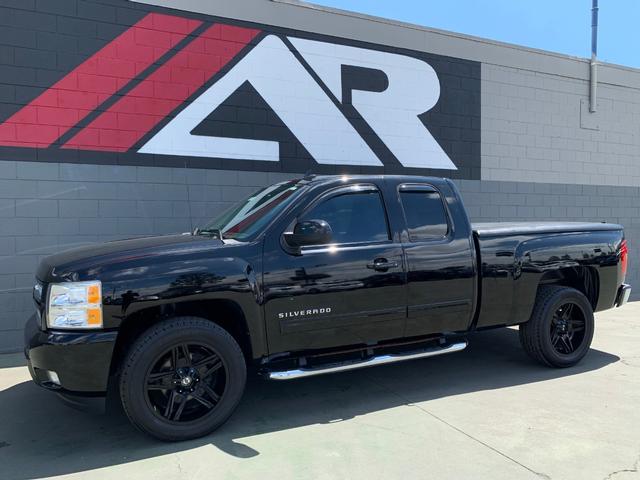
column 186, row 183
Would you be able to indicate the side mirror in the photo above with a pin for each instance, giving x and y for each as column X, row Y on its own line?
column 309, row 232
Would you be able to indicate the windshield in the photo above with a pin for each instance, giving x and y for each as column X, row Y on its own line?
column 247, row 218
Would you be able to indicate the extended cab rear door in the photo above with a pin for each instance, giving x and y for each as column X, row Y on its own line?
column 441, row 272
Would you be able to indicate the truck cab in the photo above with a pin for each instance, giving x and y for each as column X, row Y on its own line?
column 398, row 262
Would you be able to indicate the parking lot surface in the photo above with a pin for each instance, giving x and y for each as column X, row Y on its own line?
column 487, row 412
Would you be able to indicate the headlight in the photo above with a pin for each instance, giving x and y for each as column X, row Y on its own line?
column 75, row 305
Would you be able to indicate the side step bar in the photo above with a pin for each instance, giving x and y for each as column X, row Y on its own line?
column 369, row 362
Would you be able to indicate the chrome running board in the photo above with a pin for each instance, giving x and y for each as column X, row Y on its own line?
column 369, row 362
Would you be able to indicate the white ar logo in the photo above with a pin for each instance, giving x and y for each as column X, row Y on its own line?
column 312, row 117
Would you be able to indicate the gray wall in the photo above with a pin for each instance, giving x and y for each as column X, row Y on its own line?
column 536, row 127
column 543, row 156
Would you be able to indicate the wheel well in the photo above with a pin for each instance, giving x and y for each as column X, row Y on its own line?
column 583, row 279
column 225, row 313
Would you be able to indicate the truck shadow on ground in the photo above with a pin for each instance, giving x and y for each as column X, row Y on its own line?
column 39, row 436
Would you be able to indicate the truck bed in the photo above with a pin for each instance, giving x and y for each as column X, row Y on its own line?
column 497, row 229
column 515, row 256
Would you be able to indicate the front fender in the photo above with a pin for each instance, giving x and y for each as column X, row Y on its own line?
column 163, row 287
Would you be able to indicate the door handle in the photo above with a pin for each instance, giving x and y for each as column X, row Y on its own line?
column 382, row 265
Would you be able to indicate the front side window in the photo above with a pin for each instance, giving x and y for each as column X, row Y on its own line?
column 425, row 213
column 353, row 216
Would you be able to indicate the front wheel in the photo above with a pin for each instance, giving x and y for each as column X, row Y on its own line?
column 560, row 329
column 182, row 379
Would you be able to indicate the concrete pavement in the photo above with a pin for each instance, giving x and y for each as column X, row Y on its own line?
column 488, row 412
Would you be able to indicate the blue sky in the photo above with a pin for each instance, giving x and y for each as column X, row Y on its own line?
column 558, row 25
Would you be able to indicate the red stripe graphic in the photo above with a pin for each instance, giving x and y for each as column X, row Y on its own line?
column 135, row 114
column 72, row 98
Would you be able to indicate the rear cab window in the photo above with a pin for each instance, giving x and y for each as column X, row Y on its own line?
column 424, row 211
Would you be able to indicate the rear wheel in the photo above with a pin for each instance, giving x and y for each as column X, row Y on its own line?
column 560, row 329
column 182, row 379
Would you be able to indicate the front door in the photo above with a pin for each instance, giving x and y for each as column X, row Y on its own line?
column 351, row 291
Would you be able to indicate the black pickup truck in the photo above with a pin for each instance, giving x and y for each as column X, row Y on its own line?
column 310, row 276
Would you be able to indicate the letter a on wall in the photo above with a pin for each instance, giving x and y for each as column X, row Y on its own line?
column 291, row 92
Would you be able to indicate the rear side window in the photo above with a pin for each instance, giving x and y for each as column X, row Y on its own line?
column 353, row 217
column 425, row 213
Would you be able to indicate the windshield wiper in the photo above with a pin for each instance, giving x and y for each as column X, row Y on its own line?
column 211, row 232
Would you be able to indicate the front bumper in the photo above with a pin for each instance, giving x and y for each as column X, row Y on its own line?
column 80, row 360
column 623, row 295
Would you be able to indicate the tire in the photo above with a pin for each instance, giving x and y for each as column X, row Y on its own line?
column 560, row 329
column 175, row 393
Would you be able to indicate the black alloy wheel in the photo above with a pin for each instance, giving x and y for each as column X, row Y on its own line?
column 561, row 327
column 182, row 378
column 567, row 328
column 186, row 382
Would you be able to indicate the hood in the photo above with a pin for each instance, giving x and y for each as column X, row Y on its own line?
column 95, row 261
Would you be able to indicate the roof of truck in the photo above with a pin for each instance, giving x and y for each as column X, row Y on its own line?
column 365, row 177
